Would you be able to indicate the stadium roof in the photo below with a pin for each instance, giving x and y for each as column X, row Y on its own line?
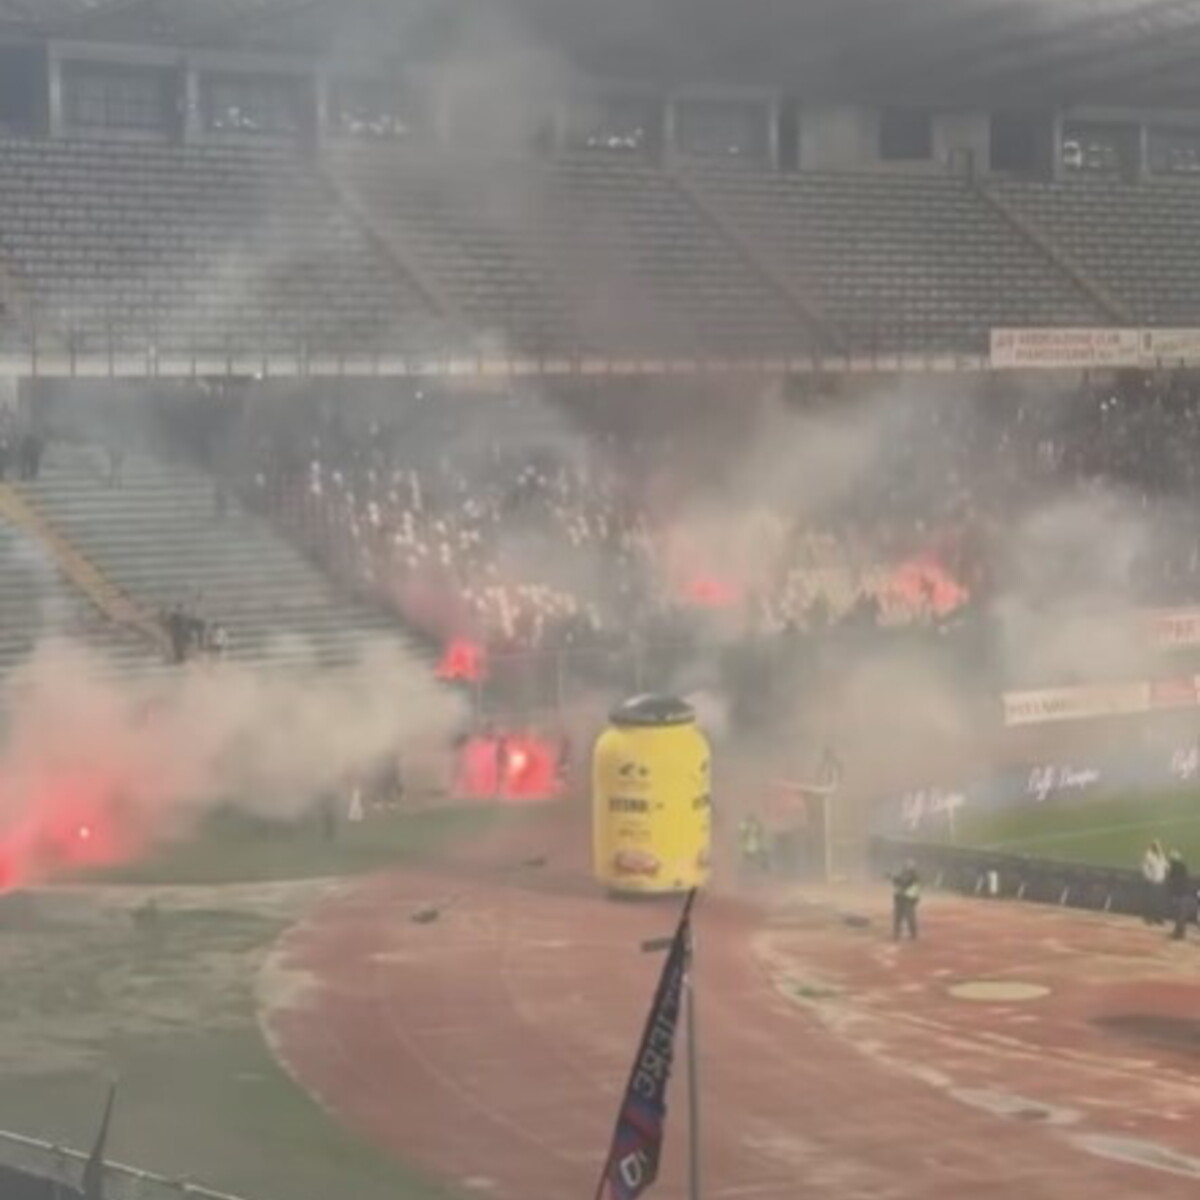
column 1011, row 52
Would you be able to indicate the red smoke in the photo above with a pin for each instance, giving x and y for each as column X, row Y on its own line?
column 464, row 661
column 68, row 824
column 924, row 582
column 521, row 767
column 706, row 591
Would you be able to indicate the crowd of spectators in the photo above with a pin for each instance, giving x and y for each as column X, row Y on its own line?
column 520, row 546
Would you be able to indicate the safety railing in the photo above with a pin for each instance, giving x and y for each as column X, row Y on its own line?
column 62, row 1170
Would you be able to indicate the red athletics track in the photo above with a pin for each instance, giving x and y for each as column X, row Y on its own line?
column 489, row 1047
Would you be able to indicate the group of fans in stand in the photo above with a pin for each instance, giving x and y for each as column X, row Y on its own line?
column 523, row 545
column 516, row 541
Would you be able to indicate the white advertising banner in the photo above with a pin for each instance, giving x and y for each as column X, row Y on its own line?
column 1170, row 347
column 1086, row 702
column 1017, row 349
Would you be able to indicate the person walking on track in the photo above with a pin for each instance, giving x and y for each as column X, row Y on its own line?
column 906, row 895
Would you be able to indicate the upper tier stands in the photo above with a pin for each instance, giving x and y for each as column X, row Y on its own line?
column 37, row 602
column 241, row 250
column 911, row 262
column 207, row 249
column 590, row 255
column 158, row 537
column 1140, row 241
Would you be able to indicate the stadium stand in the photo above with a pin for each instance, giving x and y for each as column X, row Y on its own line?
column 144, row 247
column 577, row 255
column 1142, row 241
column 487, row 264
column 636, row 214
column 37, row 602
column 159, row 537
column 219, row 250
column 901, row 262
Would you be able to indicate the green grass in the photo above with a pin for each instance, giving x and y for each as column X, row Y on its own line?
column 199, row 1095
column 168, row 1009
column 1102, row 831
column 233, row 848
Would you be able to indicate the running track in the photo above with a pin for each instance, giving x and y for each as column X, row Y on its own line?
column 489, row 1047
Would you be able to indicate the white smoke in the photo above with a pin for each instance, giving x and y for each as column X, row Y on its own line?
column 267, row 741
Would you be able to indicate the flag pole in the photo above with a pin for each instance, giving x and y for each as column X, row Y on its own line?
column 683, row 929
column 689, row 999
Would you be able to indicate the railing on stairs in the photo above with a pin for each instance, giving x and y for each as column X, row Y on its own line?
column 1112, row 306
column 789, row 289
column 395, row 253
column 79, row 569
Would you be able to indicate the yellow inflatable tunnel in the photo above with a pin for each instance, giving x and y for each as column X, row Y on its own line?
column 651, row 802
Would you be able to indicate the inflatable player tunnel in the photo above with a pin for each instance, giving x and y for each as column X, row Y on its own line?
column 651, row 803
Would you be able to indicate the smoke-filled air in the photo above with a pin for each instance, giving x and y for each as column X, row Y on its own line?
column 96, row 770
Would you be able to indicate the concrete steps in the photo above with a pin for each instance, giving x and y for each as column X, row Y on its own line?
column 157, row 539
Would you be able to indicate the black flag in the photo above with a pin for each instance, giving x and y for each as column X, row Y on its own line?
column 632, row 1163
column 93, row 1169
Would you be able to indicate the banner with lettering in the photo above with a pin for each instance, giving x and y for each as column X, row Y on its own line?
column 1015, row 349
column 1077, row 703
column 1170, row 347
column 930, row 813
column 633, row 1158
column 1102, row 348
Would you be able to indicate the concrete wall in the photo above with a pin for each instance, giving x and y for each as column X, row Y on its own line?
column 838, row 137
column 959, row 135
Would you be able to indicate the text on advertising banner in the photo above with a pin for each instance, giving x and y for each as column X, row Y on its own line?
column 1013, row 349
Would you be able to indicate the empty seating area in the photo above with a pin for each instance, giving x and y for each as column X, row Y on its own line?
column 909, row 262
column 215, row 252
column 576, row 255
column 159, row 538
column 1140, row 241
column 209, row 250
column 693, row 283
column 475, row 231
column 37, row 603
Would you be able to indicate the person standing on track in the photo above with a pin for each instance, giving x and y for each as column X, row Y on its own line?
column 1154, row 872
column 1180, row 895
column 906, row 895
column 752, row 844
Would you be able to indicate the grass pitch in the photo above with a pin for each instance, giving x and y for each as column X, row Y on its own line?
column 89, row 996
column 94, row 991
column 1109, row 831
column 234, row 848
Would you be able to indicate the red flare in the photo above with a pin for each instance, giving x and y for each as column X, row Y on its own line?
column 463, row 661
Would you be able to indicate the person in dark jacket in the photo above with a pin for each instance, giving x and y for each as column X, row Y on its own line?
column 1181, row 898
column 906, row 895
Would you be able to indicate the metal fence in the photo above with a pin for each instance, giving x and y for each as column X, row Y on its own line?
column 994, row 874
column 54, row 1173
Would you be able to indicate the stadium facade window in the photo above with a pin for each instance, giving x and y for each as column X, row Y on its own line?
column 790, row 127
column 905, row 135
column 615, row 125
column 21, row 85
column 1016, row 143
column 375, row 109
column 722, row 129
column 1094, row 148
column 255, row 104
column 98, row 96
column 1175, row 151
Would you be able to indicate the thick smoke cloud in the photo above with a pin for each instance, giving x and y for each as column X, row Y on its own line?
column 144, row 761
